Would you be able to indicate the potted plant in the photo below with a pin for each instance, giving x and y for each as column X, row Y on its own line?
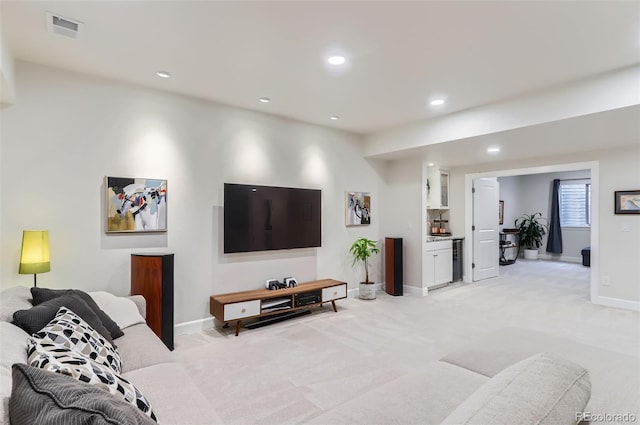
column 531, row 229
column 361, row 250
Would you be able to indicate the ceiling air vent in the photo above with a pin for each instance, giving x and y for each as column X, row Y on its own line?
column 67, row 27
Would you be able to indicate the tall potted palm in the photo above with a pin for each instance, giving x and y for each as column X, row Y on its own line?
column 361, row 250
column 531, row 230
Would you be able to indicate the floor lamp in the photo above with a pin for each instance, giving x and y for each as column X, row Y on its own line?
column 34, row 257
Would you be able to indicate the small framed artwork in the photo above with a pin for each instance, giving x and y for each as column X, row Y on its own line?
column 358, row 208
column 136, row 205
column 627, row 202
column 501, row 211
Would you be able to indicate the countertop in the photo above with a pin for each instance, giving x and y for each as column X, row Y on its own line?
column 443, row 238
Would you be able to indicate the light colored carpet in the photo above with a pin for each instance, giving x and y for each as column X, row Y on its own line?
column 292, row 371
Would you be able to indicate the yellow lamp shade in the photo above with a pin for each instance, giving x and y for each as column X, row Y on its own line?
column 35, row 257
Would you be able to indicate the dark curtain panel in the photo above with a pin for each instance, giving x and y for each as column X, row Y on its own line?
column 554, row 242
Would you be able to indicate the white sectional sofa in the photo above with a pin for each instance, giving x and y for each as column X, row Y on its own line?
column 467, row 385
column 502, row 379
column 146, row 363
column 544, row 389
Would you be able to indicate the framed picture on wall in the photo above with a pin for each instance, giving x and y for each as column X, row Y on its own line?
column 627, row 202
column 358, row 208
column 135, row 205
column 501, row 211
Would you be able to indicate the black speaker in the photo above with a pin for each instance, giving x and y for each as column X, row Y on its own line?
column 393, row 266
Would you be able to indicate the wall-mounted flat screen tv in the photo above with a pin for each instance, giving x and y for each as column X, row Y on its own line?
column 262, row 218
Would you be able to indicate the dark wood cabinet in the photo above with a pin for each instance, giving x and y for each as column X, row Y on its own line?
column 152, row 277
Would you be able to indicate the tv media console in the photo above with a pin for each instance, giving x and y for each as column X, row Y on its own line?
column 258, row 303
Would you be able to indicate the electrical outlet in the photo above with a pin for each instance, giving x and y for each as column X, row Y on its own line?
column 605, row 281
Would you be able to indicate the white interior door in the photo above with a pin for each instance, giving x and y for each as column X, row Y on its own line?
column 486, row 233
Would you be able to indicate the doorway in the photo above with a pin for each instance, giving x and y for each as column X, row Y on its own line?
column 593, row 166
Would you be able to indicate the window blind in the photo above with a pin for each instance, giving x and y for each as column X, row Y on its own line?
column 575, row 203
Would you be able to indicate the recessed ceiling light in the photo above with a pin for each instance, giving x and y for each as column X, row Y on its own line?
column 334, row 118
column 431, row 164
column 493, row 150
column 264, row 100
column 437, row 102
column 163, row 74
column 337, row 60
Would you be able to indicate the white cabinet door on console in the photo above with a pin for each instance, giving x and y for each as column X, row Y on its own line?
column 334, row 293
column 437, row 263
column 428, row 267
column 241, row 310
column 443, row 266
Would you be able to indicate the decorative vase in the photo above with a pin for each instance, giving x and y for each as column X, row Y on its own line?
column 530, row 254
column 367, row 291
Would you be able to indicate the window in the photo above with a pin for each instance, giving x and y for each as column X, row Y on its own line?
column 575, row 203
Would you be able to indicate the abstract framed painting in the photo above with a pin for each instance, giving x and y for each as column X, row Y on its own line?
column 136, row 205
column 358, row 208
column 627, row 202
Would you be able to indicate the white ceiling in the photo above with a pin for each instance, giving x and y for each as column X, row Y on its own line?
column 399, row 54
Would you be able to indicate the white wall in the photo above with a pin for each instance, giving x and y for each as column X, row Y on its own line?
column 619, row 235
column 510, row 194
column 67, row 131
column 403, row 218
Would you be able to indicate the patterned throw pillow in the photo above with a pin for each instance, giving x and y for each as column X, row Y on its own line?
column 60, row 359
column 69, row 330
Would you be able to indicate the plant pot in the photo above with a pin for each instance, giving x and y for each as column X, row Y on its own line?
column 367, row 291
column 530, row 254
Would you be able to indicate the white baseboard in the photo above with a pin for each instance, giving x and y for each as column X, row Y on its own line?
column 380, row 287
column 355, row 292
column 562, row 258
column 193, row 326
column 618, row 303
column 568, row 259
column 208, row 323
column 415, row 291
